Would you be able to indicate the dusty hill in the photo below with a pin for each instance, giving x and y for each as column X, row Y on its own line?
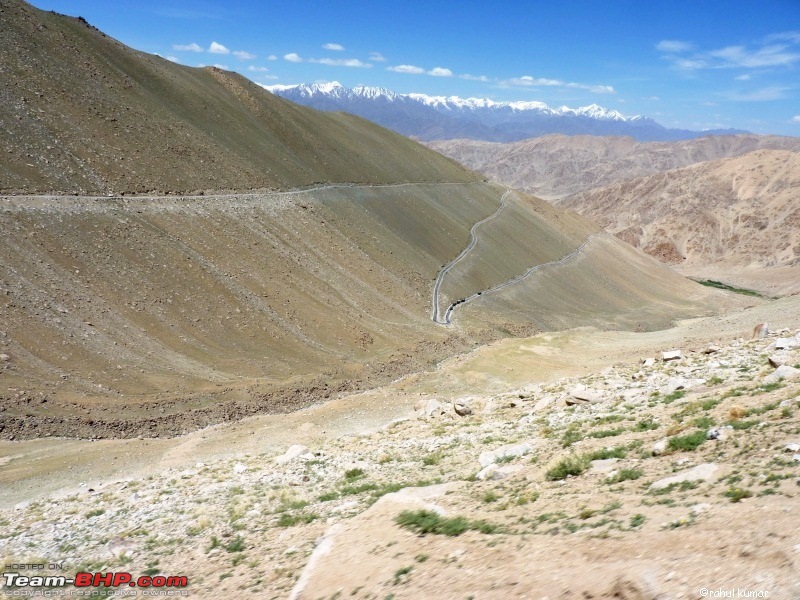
column 556, row 166
column 736, row 219
column 83, row 113
column 154, row 315
column 151, row 316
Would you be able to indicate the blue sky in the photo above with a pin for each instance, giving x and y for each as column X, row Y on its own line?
column 694, row 64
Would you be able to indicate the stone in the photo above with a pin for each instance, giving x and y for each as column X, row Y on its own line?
column 671, row 355
column 674, row 384
column 5, row 357
column 785, row 343
column 699, row 473
column 648, row 362
column 659, row 447
column 432, row 408
column 782, row 372
column 292, row 453
column 462, row 408
column 583, row 395
column 698, row 509
column 604, row 466
column 239, row 468
column 711, row 349
column 760, row 331
column 491, row 456
column 794, row 447
column 776, row 361
column 496, row 472
column 719, row 433
column 543, row 403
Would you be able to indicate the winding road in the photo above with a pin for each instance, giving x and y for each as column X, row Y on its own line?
column 473, row 239
column 448, row 315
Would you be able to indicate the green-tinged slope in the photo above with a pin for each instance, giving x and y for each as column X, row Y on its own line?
column 83, row 113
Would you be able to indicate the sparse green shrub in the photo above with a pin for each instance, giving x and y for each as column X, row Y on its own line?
column 571, row 465
column 236, row 544
column 646, row 425
column 687, row 443
column 353, row 474
column 637, row 520
column 672, row 396
column 625, row 475
column 736, row 494
column 288, row 520
column 604, row 433
column 427, row 521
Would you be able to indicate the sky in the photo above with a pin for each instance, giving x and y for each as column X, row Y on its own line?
column 699, row 64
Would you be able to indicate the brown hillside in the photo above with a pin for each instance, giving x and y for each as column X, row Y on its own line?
column 736, row 219
column 555, row 166
column 83, row 113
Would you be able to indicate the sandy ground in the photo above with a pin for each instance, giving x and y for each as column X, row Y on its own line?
column 35, row 468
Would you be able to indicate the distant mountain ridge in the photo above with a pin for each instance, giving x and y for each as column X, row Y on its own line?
column 438, row 117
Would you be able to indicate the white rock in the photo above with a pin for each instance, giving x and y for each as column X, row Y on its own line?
column 543, row 403
column 776, row 361
column 604, row 466
column 492, row 456
column 674, row 384
column 671, row 355
column 462, row 408
column 698, row 473
column 711, row 349
column 5, row 357
column 782, row 372
column 292, row 453
column 792, row 447
column 785, row 343
column 583, row 395
column 495, row 472
column 700, row 508
column 659, row 447
column 239, row 468
column 719, row 433
column 648, row 362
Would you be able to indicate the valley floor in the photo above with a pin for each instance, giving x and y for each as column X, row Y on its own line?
column 551, row 495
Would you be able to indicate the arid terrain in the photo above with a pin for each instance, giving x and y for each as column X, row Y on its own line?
column 530, row 456
column 736, row 219
column 555, row 166
column 291, row 354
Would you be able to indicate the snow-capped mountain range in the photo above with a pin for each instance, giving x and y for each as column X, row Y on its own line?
column 438, row 117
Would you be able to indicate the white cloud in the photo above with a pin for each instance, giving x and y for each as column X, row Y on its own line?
column 528, row 81
column 776, row 55
column 795, row 119
column 340, row 62
column 256, row 69
column 410, row 69
column 336, row 47
column 243, row 55
column 272, row 57
column 469, row 77
column 377, row 57
column 173, row 59
column 674, row 46
column 763, row 95
column 187, row 47
column 776, row 50
column 440, row 72
column 745, row 77
column 216, row 48
column 292, row 57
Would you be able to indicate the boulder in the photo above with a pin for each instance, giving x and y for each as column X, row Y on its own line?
column 776, row 361
column 496, row 472
column 698, row 473
column 782, row 372
column 659, row 447
column 583, row 395
column 648, row 362
column 711, row 349
column 491, row 456
column 292, row 453
column 462, row 408
column 760, row 331
column 671, row 355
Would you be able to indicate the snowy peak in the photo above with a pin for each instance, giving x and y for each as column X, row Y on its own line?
column 450, row 117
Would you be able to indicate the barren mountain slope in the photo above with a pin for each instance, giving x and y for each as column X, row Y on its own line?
column 737, row 217
column 556, row 166
column 83, row 113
